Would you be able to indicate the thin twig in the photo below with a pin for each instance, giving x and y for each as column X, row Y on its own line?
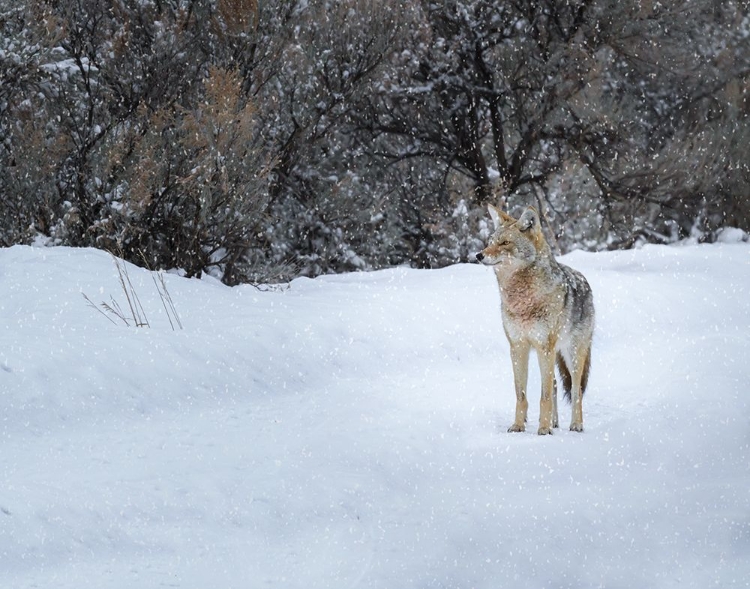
column 136, row 308
column 163, row 302
column 125, row 289
column 115, row 312
column 169, row 299
column 161, row 288
column 115, row 309
column 93, row 306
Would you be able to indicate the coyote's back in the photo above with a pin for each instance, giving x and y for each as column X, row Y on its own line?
column 546, row 306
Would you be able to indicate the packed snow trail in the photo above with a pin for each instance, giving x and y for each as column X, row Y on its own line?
column 349, row 431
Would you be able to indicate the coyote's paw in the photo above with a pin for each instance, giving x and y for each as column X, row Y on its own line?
column 576, row 426
column 545, row 431
column 516, row 428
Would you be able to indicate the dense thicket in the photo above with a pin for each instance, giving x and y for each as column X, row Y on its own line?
column 259, row 139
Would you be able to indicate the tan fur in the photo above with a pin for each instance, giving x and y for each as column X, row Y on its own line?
column 546, row 306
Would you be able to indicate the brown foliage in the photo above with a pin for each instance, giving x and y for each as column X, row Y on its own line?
column 239, row 16
column 195, row 179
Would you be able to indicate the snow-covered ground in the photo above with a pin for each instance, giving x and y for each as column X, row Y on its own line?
column 350, row 431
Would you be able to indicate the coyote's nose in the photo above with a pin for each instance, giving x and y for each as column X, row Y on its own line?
column 480, row 257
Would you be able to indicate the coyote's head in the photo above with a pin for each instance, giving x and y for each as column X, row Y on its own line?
column 515, row 242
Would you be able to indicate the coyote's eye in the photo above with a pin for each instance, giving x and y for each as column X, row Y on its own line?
column 504, row 242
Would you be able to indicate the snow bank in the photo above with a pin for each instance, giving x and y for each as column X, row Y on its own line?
column 731, row 235
column 349, row 431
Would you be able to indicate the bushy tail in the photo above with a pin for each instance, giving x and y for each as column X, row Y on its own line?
column 567, row 379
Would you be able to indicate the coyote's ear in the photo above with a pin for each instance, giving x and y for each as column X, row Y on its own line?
column 499, row 217
column 529, row 220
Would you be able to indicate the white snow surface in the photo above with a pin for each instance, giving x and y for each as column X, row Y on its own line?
column 350, row 432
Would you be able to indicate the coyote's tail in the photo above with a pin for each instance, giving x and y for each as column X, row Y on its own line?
column 567, row 379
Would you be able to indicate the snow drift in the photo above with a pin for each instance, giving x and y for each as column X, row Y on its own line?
column 349, row 431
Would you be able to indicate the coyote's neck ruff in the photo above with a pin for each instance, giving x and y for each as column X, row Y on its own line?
column 545, row 305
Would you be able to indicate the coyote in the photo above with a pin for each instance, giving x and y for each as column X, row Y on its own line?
column 545, row 305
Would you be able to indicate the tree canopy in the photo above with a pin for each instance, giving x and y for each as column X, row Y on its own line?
column 261, row 139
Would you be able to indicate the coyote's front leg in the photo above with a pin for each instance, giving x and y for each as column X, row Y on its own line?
column 519, row 355
column 547, row 409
